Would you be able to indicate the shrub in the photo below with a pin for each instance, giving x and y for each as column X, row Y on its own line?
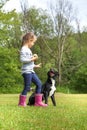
column 9, row 69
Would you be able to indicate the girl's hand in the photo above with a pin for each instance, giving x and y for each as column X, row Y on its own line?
column 38, row 65
column 35, row 57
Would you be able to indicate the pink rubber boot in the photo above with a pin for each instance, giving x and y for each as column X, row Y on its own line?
column 38, row 101
column 22, row 101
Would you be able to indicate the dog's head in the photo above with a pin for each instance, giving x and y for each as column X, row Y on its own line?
column 52, row 73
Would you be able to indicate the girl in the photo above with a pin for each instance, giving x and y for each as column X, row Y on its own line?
column 28, row 73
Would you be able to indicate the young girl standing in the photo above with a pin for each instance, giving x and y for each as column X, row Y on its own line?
column 28, row 73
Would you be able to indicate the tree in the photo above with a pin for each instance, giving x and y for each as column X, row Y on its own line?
column 10, row 29
column 62, row 16
column 36, row 20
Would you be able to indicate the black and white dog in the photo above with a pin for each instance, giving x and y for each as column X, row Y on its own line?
column 48, row 88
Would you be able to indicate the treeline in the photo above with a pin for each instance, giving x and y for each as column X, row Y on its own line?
column 58, row 46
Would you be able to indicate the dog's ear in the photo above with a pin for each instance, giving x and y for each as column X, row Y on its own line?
column 57, row 73
column 52, row 70
column 48, row 73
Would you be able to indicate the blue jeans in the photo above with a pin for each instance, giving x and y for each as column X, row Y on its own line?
column 28, row 79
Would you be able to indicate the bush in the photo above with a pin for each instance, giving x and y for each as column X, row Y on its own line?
column 79, row 81
column 10, row 75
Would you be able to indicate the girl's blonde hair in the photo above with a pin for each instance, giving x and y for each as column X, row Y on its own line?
column 28, row 37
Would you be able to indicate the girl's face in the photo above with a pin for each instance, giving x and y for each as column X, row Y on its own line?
column 32, row 42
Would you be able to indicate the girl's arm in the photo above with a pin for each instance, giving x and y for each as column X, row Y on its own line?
column 26, row 59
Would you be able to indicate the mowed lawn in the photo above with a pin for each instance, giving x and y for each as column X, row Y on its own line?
column 69, row 114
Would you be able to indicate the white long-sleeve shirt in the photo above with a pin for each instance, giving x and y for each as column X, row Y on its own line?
column 25, row 58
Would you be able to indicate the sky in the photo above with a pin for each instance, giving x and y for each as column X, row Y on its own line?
column 79, row 5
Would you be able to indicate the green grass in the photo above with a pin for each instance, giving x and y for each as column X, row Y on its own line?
column 69, row 114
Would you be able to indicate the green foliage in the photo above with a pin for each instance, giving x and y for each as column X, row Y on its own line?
column 73, row 58
column 37, row 20
column 79, row 81
column 10, row 29
column 10, row 76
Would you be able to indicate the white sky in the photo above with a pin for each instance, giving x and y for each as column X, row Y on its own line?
column 79, row 5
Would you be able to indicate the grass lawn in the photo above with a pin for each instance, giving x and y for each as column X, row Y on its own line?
column 69, row 114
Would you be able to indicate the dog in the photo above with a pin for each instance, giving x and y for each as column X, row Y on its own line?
column 48, row 88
